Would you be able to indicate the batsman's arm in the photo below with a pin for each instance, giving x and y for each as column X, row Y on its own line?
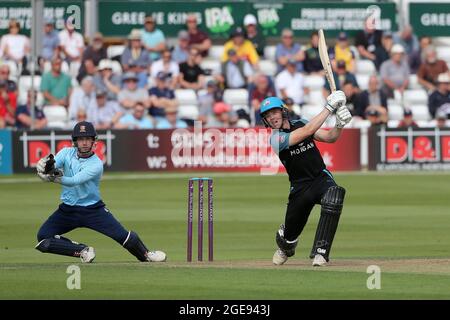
column 86, row 174
column 300, row 134
column 328, row 136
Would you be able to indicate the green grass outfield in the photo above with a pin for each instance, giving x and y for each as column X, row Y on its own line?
column 400, row 222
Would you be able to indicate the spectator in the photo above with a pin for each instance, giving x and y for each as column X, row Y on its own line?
column 417, row 57
column 197, row 38
column 83, row 97
column 236, row 73
column 80, row 116
column 50, row 42
column 14, row 46
column 106, row 80
column 171, row 120
column 368, row 40
column 395, row 72
column 8, row 104
column 441, row 96
column 191, row 74
column 372, row 98
column 430, row 69
column 441, row 120
column 181, row 51
column 408, row 40
column 11, row 86
column 342, row 51
column 71, row 42
column 130, row 94
column 341, row 76
column 104, row 111
column 207, row 100
column 312, row 63
column 407, row 121
column 138, row 119
column 56, row 85
column 92, row 56
column 223, row 118
column 374, row 117
column 289, row 104
column 290, row 83
column 135, row 58
column 288, row 50
column 161, row 96
column 382, row 52
column 252, row 34
column 23, row 114
column 152, row 38
column 167, row 66
column 262, row 90
column 244, row 48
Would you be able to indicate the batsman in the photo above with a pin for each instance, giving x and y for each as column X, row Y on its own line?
column 310, row 182
column 78, row 170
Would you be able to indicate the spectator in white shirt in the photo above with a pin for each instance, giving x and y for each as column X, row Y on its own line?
column 71, row 42
column 290, row 83
column 104, row 111
column 14, row 46
column 168, row 66
column 82, row 97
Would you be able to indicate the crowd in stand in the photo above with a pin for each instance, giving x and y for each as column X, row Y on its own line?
column 137, row 89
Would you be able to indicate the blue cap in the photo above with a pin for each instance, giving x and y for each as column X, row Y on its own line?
column 270, row 103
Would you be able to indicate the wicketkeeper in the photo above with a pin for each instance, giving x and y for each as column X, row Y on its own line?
column 311, row 182
column 79, row 170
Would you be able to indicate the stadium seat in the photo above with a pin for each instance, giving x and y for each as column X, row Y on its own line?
column 268, row 67
column 25, row 83
column 395, row 112
column 363, row 81
column 314, row 82
column 56, row 116
column 426, row 124
column 74, row 67
column 355, row 51
column 393, row 123
column 212, row 65
column 443, row 53
column 315, row 97
column 361, row 123
column 297, row 109
column 269, row 52
column 413, row 83
column 365, row 67
column 415, row 96
column 186, row 111
column 309, row 111
column 116, row 67
column 114, row 51
column 235, row 96
column 420, row 112
column 186, row 96
column 215, row 52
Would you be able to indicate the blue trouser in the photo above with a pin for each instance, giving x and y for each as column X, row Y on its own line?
column 96, row 217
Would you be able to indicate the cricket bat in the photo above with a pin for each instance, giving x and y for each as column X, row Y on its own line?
column 323, row 53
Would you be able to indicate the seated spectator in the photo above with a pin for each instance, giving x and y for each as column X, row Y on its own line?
column 409, row 41
column 289, row 104
column 171, row 120
column 207, row 100
column 197, row 38
column 341, row 76
column 71, row 42
column 23, row 114
column 104, row 111
column 168, row 66
column 130, row 94
column 342, row 51
column 83, row 97
column 92, row 56
column 441, row 96
column 80, row 116
column 135, row 58
column 152, row 38
column 312, row 63
column 4, row 75
column 252, row 34
column 375, row 118
column 161, row 96
column 243, row 48
column 430, row 69
column 8, row 104
column 352, row 94
column 106, row 80
column 418, row 57
column 287, row 50
column 191, row 74
column 372, row 98
column 262, row 90
column 50, row 42
column 14, row 46
column 395, row 72
column 138, row 119
column 56, row 85
column 368, row 40
column 382, row 52
column 441, row 120
column 180, row 52
column 289, row 83
column 236, row 73
column 407, row 121
column 223, row 117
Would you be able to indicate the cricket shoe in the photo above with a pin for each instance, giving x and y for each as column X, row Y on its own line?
column 156, row 256
column 87, row 255
column 279, row 257
column 319, row 261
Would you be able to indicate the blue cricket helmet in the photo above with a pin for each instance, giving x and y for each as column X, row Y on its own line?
column 271, row 103
column 84, row 129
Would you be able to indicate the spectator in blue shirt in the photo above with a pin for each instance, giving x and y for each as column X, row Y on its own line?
column 288, row 50
column 50, row 41
column 153, row 38
column 135, row 58
column 23, row 114
column 136, row 120
column 171, row 120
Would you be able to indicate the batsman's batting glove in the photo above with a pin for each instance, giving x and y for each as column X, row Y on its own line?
column 343, row 117
column 335, row 100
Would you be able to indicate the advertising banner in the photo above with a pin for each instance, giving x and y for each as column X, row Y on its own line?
column 5, row 152
column 430, row 18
